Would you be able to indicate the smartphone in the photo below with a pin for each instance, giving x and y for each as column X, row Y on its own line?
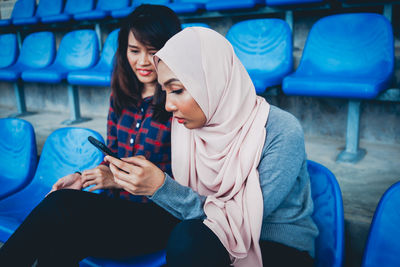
column 102, row 147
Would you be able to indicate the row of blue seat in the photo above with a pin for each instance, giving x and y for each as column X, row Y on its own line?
column 25, row 12
column 25, row 184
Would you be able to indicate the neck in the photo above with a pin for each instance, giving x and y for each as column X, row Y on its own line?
column 148, row 90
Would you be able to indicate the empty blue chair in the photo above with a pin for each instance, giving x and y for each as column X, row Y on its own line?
column 103, row 9
column 9, row 49
column 46, row 8
column 18, row 155
column 23, row 12
column 383, row 247
column 195, row 24
column 38, row 51
column 188, row 6
column 65, row 151
column 264, row 46
column 72, row 7
column 328, row 216
column 290, row 2
column 345, row 58
column 78, row 50
column 221, row 5
column 99, row 75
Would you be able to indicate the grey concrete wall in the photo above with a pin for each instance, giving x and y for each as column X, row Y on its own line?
column 380, row 121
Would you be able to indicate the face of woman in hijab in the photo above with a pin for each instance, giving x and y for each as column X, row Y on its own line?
column 179, row 101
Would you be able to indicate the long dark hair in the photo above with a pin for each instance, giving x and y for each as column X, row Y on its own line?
column 152, row 25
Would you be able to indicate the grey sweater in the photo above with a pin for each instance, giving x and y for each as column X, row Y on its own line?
column 284, row 181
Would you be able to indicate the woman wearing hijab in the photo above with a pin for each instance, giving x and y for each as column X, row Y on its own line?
column 240, row 184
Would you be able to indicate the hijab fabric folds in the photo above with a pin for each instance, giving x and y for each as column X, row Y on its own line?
column 220, row 159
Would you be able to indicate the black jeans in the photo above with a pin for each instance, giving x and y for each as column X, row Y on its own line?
column 70, row 225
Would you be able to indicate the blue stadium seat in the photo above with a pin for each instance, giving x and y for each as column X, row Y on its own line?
column 221, row 5
column 9, row 49
column 188, row 6
column 99, row 75
column 264, row 46
column 383, row 247
column 103, row 9
column 78, row 50
column 18, row 155
column 72, row 7
column 23, row 12
column 328, row 215
column 37, row 51
column 65, row 151
column 195, row 24
column 346, row 56
column 47, row 8
column 290, row 2
column 123, row 12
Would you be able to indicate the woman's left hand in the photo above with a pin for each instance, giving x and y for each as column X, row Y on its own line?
column 136, row 175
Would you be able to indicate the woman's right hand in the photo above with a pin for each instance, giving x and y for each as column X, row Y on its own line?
column 101, row 177
column 71, row 181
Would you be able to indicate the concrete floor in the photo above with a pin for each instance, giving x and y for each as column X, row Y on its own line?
column 362, row 184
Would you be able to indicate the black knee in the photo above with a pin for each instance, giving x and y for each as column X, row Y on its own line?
column 192, row 243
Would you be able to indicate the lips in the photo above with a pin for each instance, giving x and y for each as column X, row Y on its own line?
column 180, row 120
column 144, row 72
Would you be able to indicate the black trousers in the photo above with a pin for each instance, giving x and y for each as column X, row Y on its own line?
column 70, row 225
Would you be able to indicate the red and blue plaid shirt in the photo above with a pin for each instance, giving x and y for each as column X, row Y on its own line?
column 135, row 133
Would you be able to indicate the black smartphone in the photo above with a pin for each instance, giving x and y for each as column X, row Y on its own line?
column 102, row 147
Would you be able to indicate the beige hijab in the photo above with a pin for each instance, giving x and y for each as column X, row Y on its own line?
column 220, row 159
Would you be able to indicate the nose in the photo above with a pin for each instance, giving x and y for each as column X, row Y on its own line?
column 144, row 59
column 169, row 105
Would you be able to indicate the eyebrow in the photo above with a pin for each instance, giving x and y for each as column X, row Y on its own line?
column 134, row 46
column 171, row 81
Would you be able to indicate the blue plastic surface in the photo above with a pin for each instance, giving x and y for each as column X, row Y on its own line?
column 23, row 12
column 72, row 7
column 18, row 155
column 187, row 6
column 38, row 50
column 383, row 247
column 123, row 12
column 264, row 46
column 328, row 215
column 65, row 151
column 48, row 8
column 195, row 24
column 9, row 49
column 220, row 5
column 156, row 259
column 78, row 50
column 99, row 75
column 346, row 56
column 103, row 9
column 290, row 2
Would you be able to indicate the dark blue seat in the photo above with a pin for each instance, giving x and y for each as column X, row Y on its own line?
column 103, row 9
column 195, row 24
column 18, row 155
column 188, row 6
column 220, row 5
column 264, row 46
column 99, row 75
column 72, row 7
column 23, row 12
column 328, row 216
column 65, row 151
column 124, row 12
column 383, row 247
column 78, row 50
column 343, row 58
column 290, row 2
column 46, row 8
column 38, row 50
column 9, row 49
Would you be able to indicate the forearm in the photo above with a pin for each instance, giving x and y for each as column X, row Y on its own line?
column 181, row 201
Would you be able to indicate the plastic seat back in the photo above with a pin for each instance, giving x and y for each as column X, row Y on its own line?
column 23, row 9
column 38, row 50
column 65, row 151
column 49, row 8
column 18, row 155
column 328, row 215
column 109, row 49
column 264, row 46
column 383, row 247
column 78, row 50
column 195, row 24
column 344, row 46
column 108, row 5
column 291, row 2
column 78, row 6
column 9, row 49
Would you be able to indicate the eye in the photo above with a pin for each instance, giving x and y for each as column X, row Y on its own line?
column 178, row 91
column 152, row 53
column 134, row 51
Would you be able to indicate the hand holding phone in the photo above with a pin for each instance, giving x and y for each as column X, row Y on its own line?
column 103, row 148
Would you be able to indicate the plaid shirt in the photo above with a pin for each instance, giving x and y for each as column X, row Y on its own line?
column 135, row 133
